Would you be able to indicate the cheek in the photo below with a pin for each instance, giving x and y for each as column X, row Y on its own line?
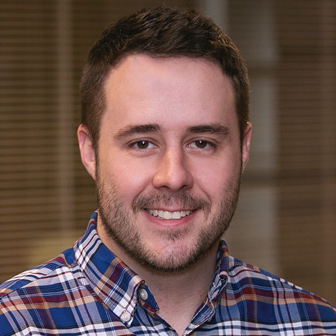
column 129, row 178
column 214, row 177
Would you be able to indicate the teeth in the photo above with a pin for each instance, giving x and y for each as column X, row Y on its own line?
column 177, row 215
column 169, row 215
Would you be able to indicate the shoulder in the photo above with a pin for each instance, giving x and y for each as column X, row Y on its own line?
column 31, row 297
column 42, row 277
column 259, row 291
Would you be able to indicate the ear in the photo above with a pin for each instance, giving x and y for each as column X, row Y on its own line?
column 87, row 150
column 246, row 144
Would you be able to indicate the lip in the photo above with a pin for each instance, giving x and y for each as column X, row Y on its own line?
column 161, row 222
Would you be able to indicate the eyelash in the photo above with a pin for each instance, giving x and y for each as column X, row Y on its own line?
column 136, row 144
column 150, row 145
column 207, row 144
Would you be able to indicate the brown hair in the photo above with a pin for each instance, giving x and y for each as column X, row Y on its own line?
column 160, row 32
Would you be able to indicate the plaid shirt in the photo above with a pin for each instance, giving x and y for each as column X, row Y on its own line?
column 88, row 291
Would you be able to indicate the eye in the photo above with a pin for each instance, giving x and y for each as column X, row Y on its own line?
column 143, row 144
column 201, row 144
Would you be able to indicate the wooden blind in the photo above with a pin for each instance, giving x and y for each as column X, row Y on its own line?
column 46, row 195
column 287, row 218
column 299, row 65
column 28, row 129
column 306, row 32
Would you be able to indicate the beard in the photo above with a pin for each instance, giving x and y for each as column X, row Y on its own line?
column 120, row 225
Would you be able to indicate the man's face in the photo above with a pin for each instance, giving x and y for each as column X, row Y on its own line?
column 169, row 160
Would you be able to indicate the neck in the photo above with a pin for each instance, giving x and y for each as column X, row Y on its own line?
column 178, row 294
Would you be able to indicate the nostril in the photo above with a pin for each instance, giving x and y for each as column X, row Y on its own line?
column 173, row 181
column 172, row 172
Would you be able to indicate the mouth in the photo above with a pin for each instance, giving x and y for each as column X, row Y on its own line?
column 163, row 214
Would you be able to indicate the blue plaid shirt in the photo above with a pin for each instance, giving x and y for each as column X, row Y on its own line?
column 88, row 291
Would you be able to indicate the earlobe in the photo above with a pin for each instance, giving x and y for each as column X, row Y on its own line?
column 246, row 144
column 87, row 150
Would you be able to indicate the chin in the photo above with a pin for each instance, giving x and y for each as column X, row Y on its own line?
column 171, row 258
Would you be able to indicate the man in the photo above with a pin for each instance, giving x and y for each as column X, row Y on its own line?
column 165, row 135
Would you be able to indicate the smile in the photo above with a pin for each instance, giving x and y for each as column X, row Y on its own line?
column 169, row 215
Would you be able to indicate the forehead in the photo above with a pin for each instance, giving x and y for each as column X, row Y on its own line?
column 175, row 90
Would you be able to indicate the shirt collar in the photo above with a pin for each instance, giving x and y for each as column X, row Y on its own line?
column 221, row 272
column 113, row 282
column 117, row 286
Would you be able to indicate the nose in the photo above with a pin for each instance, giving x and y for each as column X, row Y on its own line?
column 172, row 171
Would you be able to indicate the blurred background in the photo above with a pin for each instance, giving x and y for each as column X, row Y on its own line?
column 286, row 218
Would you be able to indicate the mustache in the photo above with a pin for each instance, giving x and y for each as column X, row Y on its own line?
column 182, row 200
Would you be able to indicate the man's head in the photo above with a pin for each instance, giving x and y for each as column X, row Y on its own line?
column 172, row 146
column 162, row 32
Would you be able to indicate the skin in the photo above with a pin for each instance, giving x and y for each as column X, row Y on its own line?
column 169, row 141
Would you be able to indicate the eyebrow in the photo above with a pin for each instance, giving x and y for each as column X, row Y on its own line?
column 137, row 129
column 148, row 128
column 209, row 128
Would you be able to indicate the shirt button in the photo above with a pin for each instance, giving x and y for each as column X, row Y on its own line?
column 125, row 316
column 143, row 294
